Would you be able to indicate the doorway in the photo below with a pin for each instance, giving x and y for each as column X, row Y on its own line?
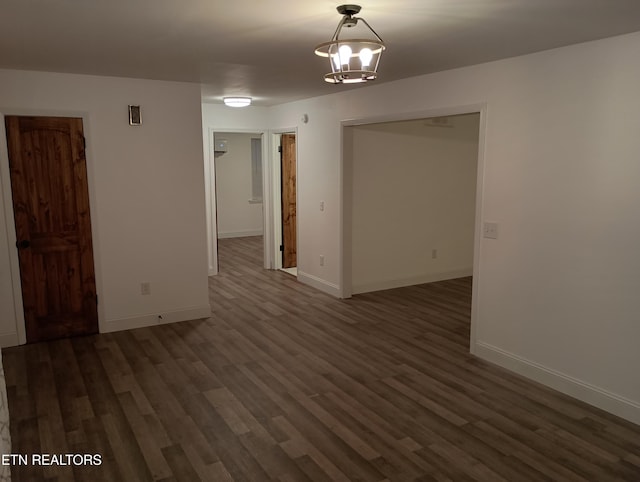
column 427, row 197
column 48, row 177
column 288, row 188
column 346, row 251
column 272, row 227
column 239, row 216
column 283, row 206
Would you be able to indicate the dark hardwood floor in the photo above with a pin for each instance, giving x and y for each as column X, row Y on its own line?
column 286, row 383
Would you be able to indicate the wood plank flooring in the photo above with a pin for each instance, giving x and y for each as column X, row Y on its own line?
column 286, row 383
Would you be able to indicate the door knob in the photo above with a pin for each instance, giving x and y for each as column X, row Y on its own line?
column 23, row 244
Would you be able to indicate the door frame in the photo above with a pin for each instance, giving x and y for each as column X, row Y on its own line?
column 212, row 231
column 20, row 336
column 346, row 188
column 275, row 204
column 272, row 218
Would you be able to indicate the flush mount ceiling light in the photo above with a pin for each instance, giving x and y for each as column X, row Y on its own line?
column 352, row 60
column 237, row 101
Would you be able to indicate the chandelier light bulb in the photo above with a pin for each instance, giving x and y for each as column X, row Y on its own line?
column 345, row 54
column 336, row 61
column 366, row 54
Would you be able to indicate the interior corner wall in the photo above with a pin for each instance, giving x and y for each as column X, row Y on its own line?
column 237, row 217
column 413, row 202
column 146, row 191
column 556, row 296
column 9, row 313
column 218, row 117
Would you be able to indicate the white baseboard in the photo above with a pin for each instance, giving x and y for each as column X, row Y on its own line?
column 414, row 280
column 192, row 313
column 8, row 339
column 608, row 401
column 240, row 234
column 318, row 283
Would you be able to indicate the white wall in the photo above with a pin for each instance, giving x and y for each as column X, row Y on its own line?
column 220, row 118
column 9, row 312
column 413, row 191
column 236, row 215
column 146, row 193
column 556, row 295
column 317, row 179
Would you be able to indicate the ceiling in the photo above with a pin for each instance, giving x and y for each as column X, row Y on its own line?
column 460, row 126
column 264, row 48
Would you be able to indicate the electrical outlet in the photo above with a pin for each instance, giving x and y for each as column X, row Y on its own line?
column 322, row 260
column 321, row 205
column 490, row 230
column 145, row 288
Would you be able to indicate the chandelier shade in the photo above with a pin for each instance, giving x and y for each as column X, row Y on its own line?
column 352, row 60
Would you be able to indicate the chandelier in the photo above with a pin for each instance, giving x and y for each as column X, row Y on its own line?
column 352, row 60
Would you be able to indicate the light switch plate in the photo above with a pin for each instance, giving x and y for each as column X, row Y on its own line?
column 490, row 230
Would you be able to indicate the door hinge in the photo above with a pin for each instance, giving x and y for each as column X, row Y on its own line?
column 280, row 149
column 96, row 300
column 282, row 248
column 84, row 142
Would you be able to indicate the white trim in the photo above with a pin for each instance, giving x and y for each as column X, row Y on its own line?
column 416, row 115
column 5, row 179
column 14, row 263
column 275, row 141
column 598, row 397
column 480, row 188
column 319, row 284
column 153, row 319
column 267, row 195
column 239, row 234
column 212, row 241
column 345, row 211
column 414, row 280
column 212, row 248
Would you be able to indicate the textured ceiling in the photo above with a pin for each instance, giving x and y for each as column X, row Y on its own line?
column 264, row 49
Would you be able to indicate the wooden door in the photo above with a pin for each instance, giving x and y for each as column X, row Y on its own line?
column 53, row 227
column 289, row 241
